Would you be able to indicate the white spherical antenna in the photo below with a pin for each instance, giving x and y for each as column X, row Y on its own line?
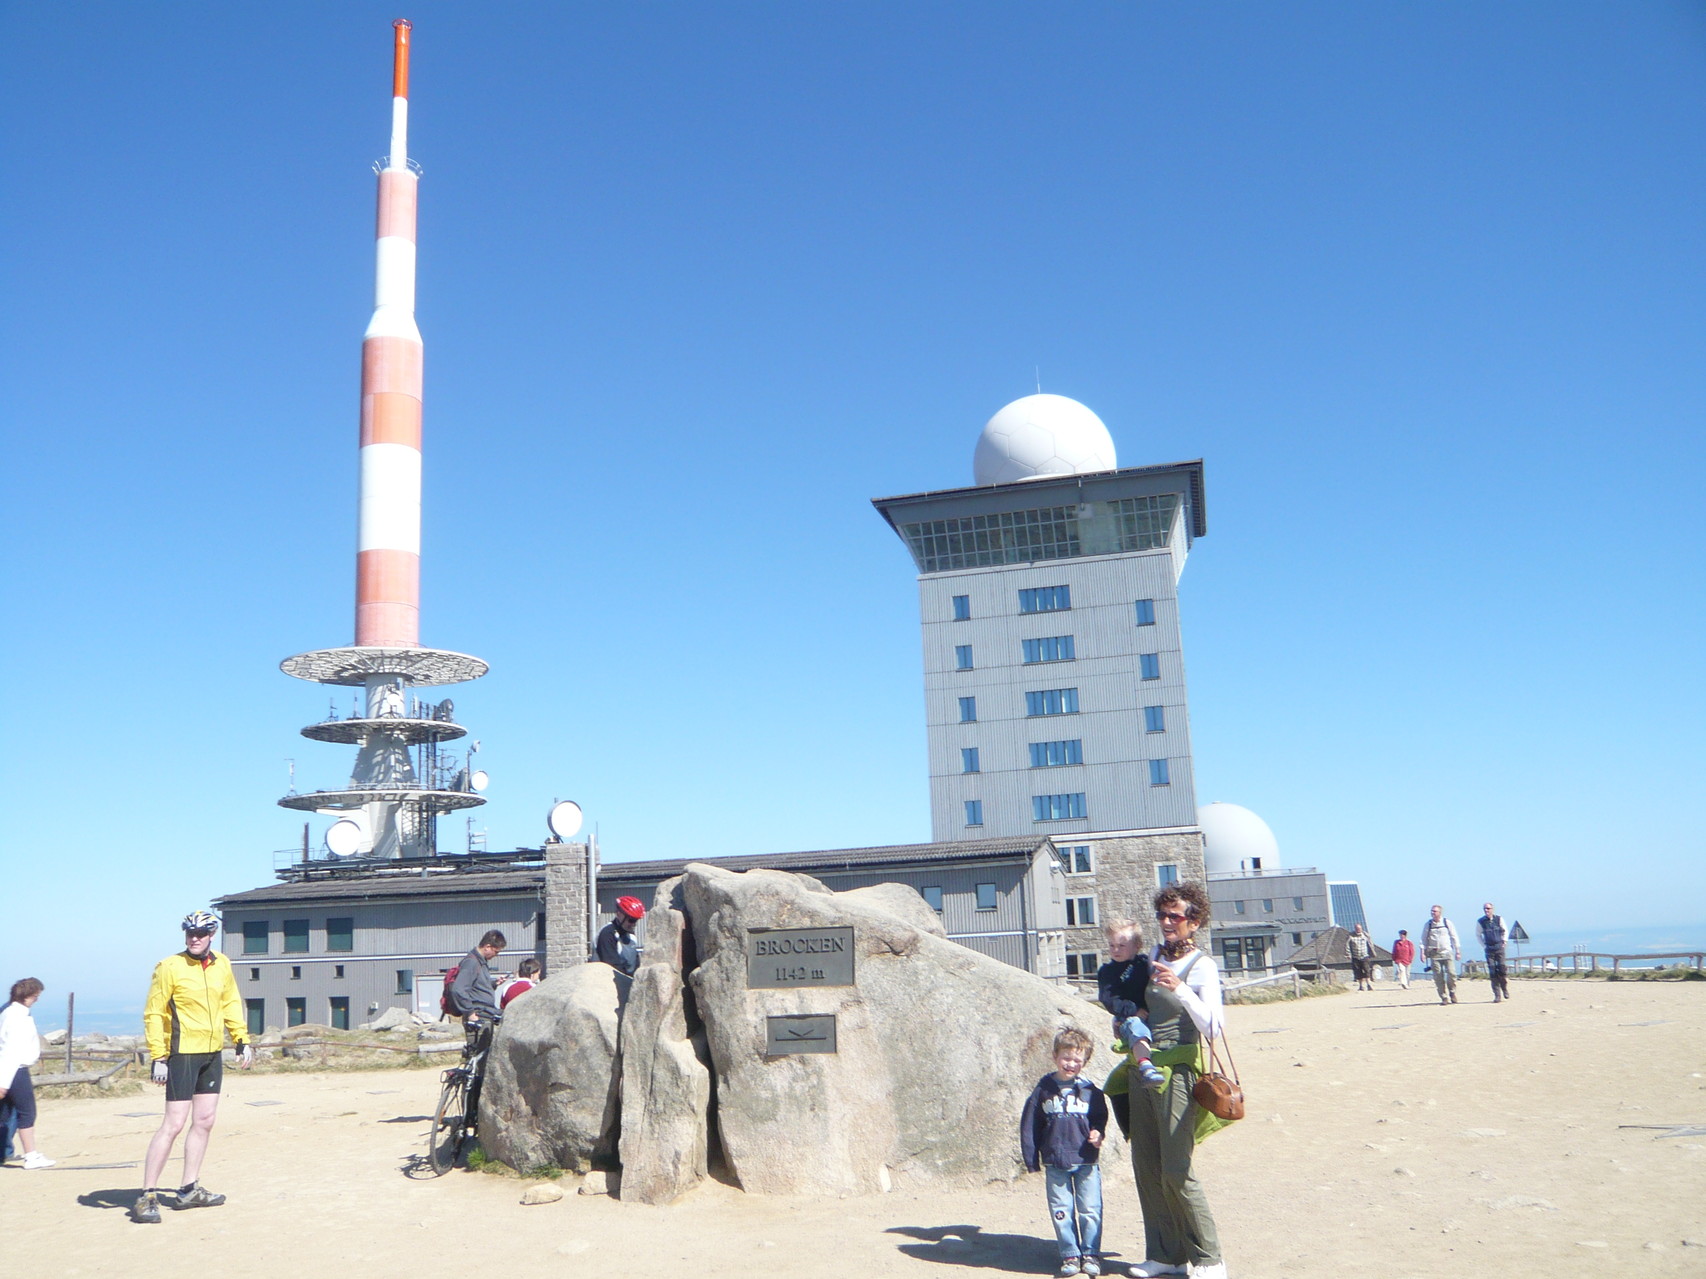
column 480, row 780
column 565, row 819
column 343, row 837
column 1042, row 435
column 1235, row 839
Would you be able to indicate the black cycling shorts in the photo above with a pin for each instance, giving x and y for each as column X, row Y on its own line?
column 192, row 1074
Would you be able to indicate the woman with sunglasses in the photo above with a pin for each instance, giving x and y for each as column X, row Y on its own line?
column 1185, row 1011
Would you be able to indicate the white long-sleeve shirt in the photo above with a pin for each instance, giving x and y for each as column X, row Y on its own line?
column 20, row 1045
column 1199, row 990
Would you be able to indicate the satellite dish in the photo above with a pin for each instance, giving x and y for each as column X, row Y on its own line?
column 344, row 837
column 480, row 780
column 564, row 819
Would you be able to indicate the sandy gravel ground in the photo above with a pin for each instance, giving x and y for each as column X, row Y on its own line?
column 1389, row 1137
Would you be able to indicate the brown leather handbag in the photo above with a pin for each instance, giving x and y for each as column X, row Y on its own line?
column 1222, row 1097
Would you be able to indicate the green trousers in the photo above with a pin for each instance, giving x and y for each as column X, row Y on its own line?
column 1177, row 1225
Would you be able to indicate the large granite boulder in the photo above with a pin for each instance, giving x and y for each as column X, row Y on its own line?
column 551, row 1094
column 666, row 1083
column 937, row 1046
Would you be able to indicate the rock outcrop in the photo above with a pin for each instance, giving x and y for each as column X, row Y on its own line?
column 937, row 1046
column 551, row 1094
column 666, row 1084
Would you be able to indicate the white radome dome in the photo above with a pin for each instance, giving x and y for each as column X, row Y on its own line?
column 1039, row 436
column 1233, row 838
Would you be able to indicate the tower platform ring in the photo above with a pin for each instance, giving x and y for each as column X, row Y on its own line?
column 438, row 801
column 352, row 732
column 352, row 666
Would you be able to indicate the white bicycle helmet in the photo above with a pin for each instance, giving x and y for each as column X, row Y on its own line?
column 201, row 921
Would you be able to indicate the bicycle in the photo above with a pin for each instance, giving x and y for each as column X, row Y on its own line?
column 457, row 1116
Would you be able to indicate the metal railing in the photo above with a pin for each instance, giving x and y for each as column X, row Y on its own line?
column 1588, row 961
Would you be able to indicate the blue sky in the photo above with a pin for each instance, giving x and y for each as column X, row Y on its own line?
column 1422, row 284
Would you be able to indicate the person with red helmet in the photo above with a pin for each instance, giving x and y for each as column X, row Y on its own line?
column 616, row 939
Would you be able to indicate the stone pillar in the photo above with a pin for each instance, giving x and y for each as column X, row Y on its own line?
column 565, row 907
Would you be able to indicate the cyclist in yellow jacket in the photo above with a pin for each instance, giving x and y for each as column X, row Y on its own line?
column 192, row 1004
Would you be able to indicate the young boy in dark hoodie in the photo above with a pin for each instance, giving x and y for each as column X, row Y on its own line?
column 1060, row 1134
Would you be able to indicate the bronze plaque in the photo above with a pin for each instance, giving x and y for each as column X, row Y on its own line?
column 813, row 1033
column 782, row 957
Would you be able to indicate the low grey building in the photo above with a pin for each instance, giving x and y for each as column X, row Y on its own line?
column 339, row 942
column 1263, row 916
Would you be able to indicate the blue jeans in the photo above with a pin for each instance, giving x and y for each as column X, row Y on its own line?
column 1075, row 1205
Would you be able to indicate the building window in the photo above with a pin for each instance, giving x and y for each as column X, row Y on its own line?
column 255, row 1010
column 962, row 608
column 974, row 812
column 1155, row 719
column 1006, row 537
column 340, row 934
column 1045, row 599
column 968, row 710
column 1158, row 772
column 1232, row 955
column 932, row 894
column 1237, row 908
column 986, row 896
column 1083, row 964
column 1057, row 754
column 1267, row 905
column 1052, row 701
column 1297, row 939
column 295, row 1012
column 962, row 657
column 1080, row 912
column 1146, row 612
column 1077, row 859
column 1166, row 873
column 340, row 1012
column 1150, row 665
column 1057, row 808
column 296, row 972
column 405, row 981
column 1055, row 648
column 254, row 974
column 254, row 937
column 968, row 760
column 295, row 936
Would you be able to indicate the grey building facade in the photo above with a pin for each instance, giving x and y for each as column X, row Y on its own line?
column 1054, row 678
column 340, row 947
column 1263, row 916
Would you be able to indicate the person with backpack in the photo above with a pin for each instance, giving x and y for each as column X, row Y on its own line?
column 615, row 944
column 470, row 995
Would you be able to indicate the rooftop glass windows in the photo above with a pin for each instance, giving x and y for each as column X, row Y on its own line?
column 1043, row 533
column 1045, row 599
column 1056, row 648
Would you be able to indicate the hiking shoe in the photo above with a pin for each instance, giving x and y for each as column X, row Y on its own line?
column 35, row 1159
column 1151, row 1075
column 195, row 1195
column 1092, row 1266
column 1216, row 1270
column 1069, row 1267
column 1154, row 1270
column 146, row 1209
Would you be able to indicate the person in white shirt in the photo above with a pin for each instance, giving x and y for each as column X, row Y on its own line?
column 20, row 1048
column 1185, row 1011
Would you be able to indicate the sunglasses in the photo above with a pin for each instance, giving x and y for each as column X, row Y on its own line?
column 200, row 933
column 1177, row 917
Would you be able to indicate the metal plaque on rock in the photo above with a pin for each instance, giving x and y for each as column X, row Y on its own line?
column 808, row 1034
column 781, row 957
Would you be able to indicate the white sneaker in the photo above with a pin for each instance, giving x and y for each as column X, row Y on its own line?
column 1154, row 1270
column 35, row 1159
column 1216, row 1271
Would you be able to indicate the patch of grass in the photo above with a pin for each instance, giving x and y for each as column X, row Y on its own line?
column 549, row 1172
column 1280, row 993
column 114, row 1088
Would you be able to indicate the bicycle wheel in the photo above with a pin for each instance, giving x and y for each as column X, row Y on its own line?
column 449, row 1124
